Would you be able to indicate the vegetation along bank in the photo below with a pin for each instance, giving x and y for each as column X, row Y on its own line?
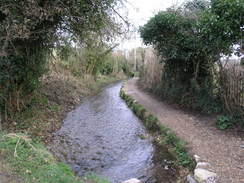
column 52, row 55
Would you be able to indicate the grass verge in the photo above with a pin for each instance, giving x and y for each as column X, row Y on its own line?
column 163, row 135
column 31, row 162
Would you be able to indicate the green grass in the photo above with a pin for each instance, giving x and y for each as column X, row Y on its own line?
column 92, row 178
column 165, row 136
column 31, row 162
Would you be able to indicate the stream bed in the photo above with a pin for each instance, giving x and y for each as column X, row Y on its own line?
column 104, row 137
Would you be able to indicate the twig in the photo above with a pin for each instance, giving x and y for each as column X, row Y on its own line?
column 23, row 138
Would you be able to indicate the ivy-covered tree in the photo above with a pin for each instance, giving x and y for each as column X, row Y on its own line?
column 29, row 29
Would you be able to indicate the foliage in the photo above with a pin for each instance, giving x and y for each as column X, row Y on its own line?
column 94, row 61
column 227, row 120
column 75, row 62
column 65, row 50
column 223, row 122
column 190, row 40
column 151, row 122
column 19, row 76
column 127, row 69
column 221, row 27
column 33, row 163
column 30, row 29
column 107, row 68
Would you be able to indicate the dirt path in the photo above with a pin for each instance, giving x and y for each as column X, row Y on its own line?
column 224, row 150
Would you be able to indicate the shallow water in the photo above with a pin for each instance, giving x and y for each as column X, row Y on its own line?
column 103, row 136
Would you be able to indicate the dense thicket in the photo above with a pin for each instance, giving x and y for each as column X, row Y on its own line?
column 190, row 40
column 30, row 28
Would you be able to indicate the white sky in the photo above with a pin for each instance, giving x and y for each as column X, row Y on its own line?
column 139, row 12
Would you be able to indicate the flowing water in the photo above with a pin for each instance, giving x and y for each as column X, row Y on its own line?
column 103, row 136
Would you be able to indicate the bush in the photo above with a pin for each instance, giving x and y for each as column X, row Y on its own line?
column 107, row 68
column 224, row 122
column 127, row 70
column 151, row 123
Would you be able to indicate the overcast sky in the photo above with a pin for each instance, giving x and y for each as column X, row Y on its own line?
column 139, row 12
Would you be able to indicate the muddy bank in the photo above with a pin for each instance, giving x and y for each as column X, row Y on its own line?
column 103, row 136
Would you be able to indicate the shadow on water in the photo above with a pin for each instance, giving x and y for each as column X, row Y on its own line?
column 103, row 136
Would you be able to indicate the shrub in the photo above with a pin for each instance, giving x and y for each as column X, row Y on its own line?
column 223, row 122
column 151, row 123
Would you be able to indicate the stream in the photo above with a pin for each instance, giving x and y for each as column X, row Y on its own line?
column 104, row 137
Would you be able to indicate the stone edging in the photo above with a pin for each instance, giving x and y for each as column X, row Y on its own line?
column 203, row 173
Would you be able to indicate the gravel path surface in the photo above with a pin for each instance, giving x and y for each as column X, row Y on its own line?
column 224, row 150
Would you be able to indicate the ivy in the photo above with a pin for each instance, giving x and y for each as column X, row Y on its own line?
column 30, row 29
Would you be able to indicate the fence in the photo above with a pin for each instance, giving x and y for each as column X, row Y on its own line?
column 230, row 80
column 232, row 87
column 152, row 69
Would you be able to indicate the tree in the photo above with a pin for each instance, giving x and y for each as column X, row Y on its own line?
column 174, row 35
column 29, row 29
column 222, row 26
column 190, row 40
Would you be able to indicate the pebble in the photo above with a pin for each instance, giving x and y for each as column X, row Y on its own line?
column 197, row 158
column 204, row 176
column 203, row 165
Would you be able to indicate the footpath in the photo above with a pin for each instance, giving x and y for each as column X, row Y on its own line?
column 224, row 150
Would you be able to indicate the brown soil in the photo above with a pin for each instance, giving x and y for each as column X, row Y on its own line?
column 222, row 149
